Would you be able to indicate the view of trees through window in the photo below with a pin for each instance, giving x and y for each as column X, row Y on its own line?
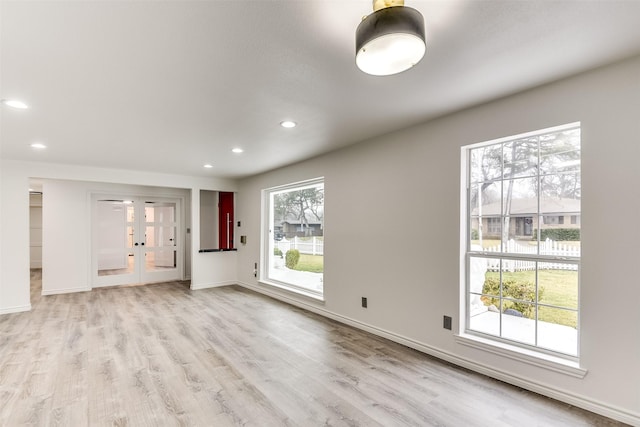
column 523, row 247
column 295, row 254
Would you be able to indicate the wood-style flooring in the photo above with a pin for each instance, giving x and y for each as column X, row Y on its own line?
column 162, row 355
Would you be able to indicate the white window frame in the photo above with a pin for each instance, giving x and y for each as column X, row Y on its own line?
column 531, row 354
column 268, row 237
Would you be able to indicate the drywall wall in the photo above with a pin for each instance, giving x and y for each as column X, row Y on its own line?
column 398, row 196
column 71, row 273
column 67, row 229
column 14, row 245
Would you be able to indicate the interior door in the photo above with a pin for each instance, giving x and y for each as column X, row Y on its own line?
column 135, row 240
column 160, row 242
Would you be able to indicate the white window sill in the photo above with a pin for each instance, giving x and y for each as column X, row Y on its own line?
column 539, row 359
column 294, row 290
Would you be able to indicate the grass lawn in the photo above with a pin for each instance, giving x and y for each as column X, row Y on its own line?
column 560, row 289
column 313, row 263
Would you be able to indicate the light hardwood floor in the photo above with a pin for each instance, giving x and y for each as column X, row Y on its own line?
column 162, row 355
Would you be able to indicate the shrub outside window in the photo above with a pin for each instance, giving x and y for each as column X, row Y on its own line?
column 522, row 271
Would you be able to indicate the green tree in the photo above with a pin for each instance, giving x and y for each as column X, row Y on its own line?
column 303, row 205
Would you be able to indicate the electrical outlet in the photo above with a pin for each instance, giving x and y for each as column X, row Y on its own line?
column 364, row 302
column 446, row 322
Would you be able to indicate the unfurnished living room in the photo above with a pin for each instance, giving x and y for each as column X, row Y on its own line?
column 166, row 168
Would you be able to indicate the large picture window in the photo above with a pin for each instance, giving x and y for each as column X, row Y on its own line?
column 293, row 221
column 522, row 257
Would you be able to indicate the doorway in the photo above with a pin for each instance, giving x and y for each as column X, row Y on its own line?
column 135, row 240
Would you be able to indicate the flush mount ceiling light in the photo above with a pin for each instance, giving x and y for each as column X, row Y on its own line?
column 237, row 150
column 38, row 146
column 391, row 39
column 14, row 103
column 208, row 166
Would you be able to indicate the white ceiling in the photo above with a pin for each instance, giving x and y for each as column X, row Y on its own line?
column 168, row 86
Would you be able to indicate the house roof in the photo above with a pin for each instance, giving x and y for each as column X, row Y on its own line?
column 529, row 206
column 298, row 222
column 294, row 220
column 181, row 83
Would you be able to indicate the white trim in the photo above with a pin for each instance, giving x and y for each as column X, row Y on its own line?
column 266, row 238
column 293, row 289
column 522, row 382
column 532, row 357
column 65, row 291
column 16, row 309
column 300, row 185
column 537, row 358
column 211, row 285
column 573, row 125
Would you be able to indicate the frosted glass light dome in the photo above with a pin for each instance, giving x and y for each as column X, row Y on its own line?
column 390, row 41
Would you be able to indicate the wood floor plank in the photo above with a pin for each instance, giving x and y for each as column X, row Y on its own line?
column 163, row 355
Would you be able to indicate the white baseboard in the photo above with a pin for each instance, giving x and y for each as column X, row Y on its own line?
column 199, row 286
column 16, row 309
column 525, row 383
column 63, row 291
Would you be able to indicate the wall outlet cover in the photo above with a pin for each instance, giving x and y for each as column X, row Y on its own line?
column 446, row 322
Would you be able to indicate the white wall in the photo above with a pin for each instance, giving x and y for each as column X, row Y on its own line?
column 209, row 220
column 399, row 196
column 14, row 242
column 67, row 229
column 66, row 224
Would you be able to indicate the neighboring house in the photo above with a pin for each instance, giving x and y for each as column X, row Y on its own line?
column 291, row 227
column 524, row 219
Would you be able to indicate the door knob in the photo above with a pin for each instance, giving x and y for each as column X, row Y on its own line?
column 135, row 244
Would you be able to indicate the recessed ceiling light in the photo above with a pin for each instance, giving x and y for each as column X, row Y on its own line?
column 238, row 150
column 14, row 103
column 288, row 124
column 38, row 146
column 208, row 166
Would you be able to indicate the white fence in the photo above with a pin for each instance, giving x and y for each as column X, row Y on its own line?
column 306, row 245
column 547, row 247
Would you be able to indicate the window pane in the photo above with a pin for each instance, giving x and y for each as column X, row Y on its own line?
column 160, row 259
column 518, row 327
column 486, row 321
column 558, row 285
column 478, row 268
column 520, row 197
column 485, row 208
column 486, row 163
column 484, row 297
column 532, row 211
column 555, row 188
column 520, row 208
column 560, row 152
column 557, row 330
column 521, row 158
column 296, row 226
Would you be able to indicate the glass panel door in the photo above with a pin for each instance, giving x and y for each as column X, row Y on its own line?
column 135, row 241
column 161, row 254
column 114, row 235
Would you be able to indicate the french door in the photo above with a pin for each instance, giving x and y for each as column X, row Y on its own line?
column 135, row 240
